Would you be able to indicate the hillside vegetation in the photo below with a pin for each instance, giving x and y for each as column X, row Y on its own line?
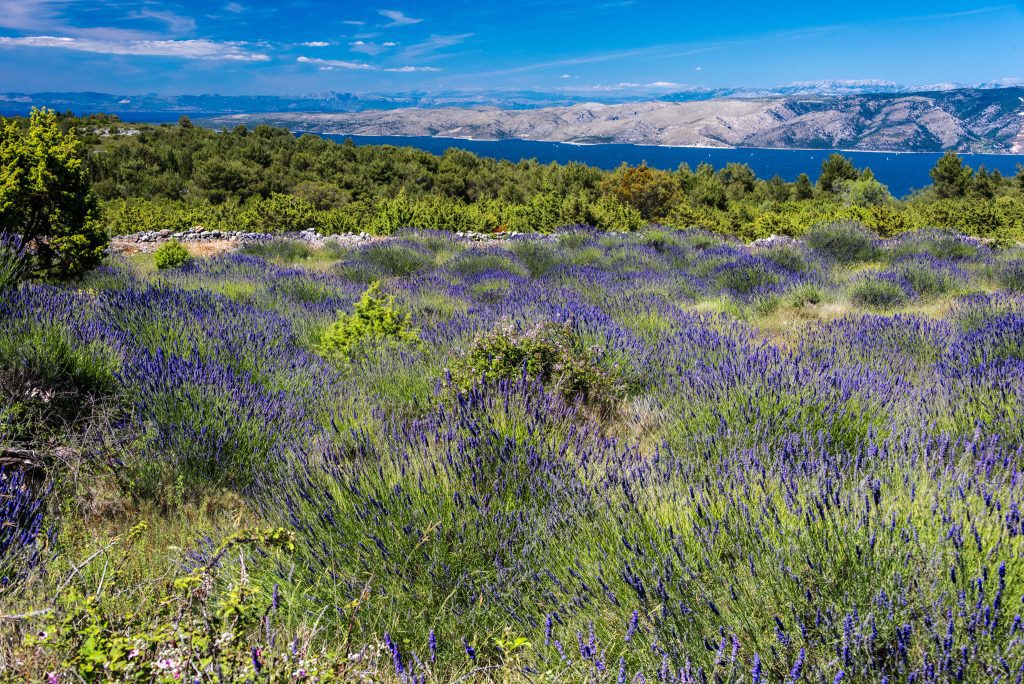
column 266, row 179
column 588, row 457
column 568, row 456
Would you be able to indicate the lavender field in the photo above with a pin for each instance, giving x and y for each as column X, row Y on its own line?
column 650, row 457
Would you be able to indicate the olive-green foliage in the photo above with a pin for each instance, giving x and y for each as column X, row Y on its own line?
column 845, row 242
column 171, row 254
column 550, row 353
column 374, row 320
column 45, row 197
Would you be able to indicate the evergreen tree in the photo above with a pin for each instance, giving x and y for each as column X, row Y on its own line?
column 803, row 189
column 950, row 177
column 45, row 197
column 834, row 169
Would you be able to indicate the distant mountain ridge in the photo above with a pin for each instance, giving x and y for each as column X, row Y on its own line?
column 856, row 115
column 331, row 101
column 965, row 120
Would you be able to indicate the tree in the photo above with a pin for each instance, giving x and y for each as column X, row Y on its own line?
column 864, row 192
column 950, row 177
column 649, row 191
column 45, row 197
column 802, row 189
column 834, row 169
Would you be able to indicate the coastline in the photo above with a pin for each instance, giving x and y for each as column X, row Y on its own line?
column 301, row 131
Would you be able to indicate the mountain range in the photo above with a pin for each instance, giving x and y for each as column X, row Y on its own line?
column 965, row 120
column 856, row 115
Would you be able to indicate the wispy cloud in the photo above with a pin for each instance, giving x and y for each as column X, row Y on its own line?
column 368, row 48
column 398, row 18
column 316, row 43
column 332, row 64
column 176, row 23
column 184, row 49
column 234, row 8
column 433, row 44
column 354, row 22
column 656, row 85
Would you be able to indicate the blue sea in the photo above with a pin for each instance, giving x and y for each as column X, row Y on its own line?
column 903, row 172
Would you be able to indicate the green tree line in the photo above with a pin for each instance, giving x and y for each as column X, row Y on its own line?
column 267, row 179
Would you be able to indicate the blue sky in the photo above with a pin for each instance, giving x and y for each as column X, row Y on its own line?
column 596, row 46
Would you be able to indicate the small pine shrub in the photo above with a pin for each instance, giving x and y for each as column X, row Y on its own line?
column 550, row 353
column 845, row 242
column 880, row 293
column 171, row 255
column 374, row 320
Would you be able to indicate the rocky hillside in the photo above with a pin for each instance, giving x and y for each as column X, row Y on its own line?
column 966, row 120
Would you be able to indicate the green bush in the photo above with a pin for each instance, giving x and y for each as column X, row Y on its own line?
column 845, row 242
column 878, row 294
column 374, row 320
column 45, row 196
column 171, row 255
column 550, row 353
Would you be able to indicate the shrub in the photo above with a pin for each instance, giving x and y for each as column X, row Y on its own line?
column 13, row 261
column 929, row 276
column 374, row 320
column 550, row 353
column 48, row 378
column 45, row 196
column 171, row 255
column 805, row 295
column 789, row 256
column 744, row 277
column 399, row 258
column 1010, row 275
column 845, row 242
column 887, row 291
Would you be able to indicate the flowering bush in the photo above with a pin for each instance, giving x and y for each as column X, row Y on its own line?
column 550, row 353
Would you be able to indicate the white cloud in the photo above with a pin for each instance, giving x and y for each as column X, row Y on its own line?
column 700, row 68
column 433, row 44
column 398, row 18
column 370, row 48
column 184, row 49
column 565, row 76
column 316, row 43
column 353, row 22
column 234, row 8
column 332, row 64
